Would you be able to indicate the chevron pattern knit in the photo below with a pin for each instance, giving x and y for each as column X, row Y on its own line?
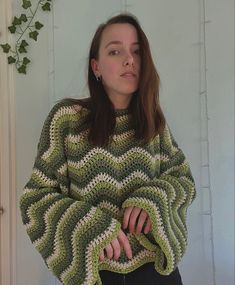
column 73, row 204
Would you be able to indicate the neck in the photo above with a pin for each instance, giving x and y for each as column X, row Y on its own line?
column 120, row 102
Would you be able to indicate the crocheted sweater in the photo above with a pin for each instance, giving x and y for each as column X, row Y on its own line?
column 73, row 204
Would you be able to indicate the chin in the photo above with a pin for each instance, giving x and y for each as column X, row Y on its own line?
column 129, row 91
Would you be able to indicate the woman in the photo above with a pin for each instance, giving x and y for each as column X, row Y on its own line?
column 110, row 188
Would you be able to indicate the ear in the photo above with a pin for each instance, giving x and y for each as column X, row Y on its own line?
column 95, row 66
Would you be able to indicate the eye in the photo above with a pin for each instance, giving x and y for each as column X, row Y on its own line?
column 137, row 51
column 114, row 52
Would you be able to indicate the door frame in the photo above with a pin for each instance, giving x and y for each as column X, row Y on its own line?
column 8, row 220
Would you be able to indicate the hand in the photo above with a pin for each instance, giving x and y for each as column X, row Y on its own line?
column 113, row 249
column 130, row 217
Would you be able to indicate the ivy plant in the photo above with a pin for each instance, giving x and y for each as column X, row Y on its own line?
column 27, row 28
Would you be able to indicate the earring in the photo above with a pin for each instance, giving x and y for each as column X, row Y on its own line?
column 98, row 78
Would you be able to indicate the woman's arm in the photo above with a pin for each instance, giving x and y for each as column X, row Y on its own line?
column 69, row 234
column 166, row 199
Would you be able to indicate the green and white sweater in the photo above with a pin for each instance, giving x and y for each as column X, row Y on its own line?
column 73, row 204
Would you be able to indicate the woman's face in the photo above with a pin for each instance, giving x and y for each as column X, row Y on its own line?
column 119, row 60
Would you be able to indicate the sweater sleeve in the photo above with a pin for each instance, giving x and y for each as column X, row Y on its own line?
column 166, row 199
column 69, row 234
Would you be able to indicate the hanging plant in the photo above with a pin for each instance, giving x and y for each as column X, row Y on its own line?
column 25, row 26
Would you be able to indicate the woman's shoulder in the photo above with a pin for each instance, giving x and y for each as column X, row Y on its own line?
column 70, row 106
column 64, row 113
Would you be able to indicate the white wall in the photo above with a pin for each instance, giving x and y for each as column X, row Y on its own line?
column 32, row 106
column 173, row 29
column 220, row 83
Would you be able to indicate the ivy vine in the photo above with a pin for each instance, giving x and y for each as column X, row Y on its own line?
column 24, row 25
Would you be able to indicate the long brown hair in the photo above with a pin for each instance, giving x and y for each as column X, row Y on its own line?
column 146, row 114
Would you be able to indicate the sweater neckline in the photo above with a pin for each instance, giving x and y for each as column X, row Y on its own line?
column 117, row 112
column 121, row 112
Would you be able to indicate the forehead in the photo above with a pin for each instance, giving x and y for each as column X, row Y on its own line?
column 119, row 32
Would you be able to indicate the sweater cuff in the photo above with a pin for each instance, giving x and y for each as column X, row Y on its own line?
column 165, row 239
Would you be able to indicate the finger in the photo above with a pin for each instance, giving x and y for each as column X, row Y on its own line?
column 109, row 251
column 141, row 220
column 133, row 217
column 102, row 255
column 125, row 243
column 126, row 216
column 116, row 248
column 148, row 226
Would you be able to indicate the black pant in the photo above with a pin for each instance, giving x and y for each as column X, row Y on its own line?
column 146, row 274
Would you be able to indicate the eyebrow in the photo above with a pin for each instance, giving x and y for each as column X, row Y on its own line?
column 119, row 43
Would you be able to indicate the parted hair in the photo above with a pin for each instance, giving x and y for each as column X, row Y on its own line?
column 147, row 117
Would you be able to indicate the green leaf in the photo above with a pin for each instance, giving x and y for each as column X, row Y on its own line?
column 22, row 69
column 22, row 46
column 24, row 43
column 26, row 61
column 11, row 59
column 38, row 25
column 16, row 21
column 23, row 18
column 46, row 6
column 6, row 48
column 12, row 29
column 33, row 35
column 22, row 50
column 26, row 4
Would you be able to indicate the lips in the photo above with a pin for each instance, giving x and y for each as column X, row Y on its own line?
column 128, row 74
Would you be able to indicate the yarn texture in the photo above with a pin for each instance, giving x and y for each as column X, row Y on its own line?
column 73, row 204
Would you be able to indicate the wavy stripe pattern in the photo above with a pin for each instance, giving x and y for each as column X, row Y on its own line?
column 72, row 206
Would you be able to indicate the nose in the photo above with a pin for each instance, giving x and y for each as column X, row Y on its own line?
column 129, row 60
